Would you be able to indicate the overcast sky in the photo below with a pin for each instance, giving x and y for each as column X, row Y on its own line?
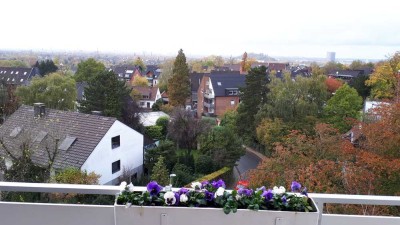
column 310, row 28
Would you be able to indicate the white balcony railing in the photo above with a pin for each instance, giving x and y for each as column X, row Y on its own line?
column 17, row 213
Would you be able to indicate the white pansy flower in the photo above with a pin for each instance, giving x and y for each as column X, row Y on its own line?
column 196, row 185
column 183, row 198
column 130, row 187
column 170, row 198
column 279, row 190
column 122, row 186
column 128, row 205
column 238, row 197
column 220, row 191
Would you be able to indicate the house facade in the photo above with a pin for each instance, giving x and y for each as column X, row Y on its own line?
column 218, row 93
column 146, row 96
column 92, row 143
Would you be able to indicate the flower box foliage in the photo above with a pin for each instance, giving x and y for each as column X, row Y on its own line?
column 213, row 195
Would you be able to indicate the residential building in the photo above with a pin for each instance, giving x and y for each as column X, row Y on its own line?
column 195, row 80
column 330, row 56
column 146, row 96
column 17, row 75
column 219, row 92
column 347, row 75
column 92, row 143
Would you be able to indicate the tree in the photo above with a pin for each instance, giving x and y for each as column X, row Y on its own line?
column 55, row 90
column 163, row 123
column 46, row 67
column 76, row 176
column 140, row 64
column 179, row 83
column 383, row 81
column 382, row 136
column 333, row 84
column 358, row 83
column 160, row 172
column 8, row 100
column 293, row 101
column 345, row 104
column 88, row 69
column 140, row 81
column 253, row 95
column 223, row 145
column 359, row 65
column 331, row 66
column 154, row 132
column 105, row 93
column 13, row 63
column 167, row 149
column 184, row 175
column 185, row 129
column 167, row 68
column 270, row 132
column 130, row 114
column 157, row 105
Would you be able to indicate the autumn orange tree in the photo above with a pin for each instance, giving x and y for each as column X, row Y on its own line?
column 333, row 84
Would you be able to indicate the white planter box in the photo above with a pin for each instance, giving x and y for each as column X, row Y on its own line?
column 158, row 215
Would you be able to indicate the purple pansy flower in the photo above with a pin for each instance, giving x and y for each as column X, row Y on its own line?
column 245, row 192
column 304, row 192
column 262, row 189
column 209, row 196
column 205, row 183
column 153, row 188
column 268, row 195
column 284, row 200
column 183, row 191
column 177, row 197
column 219, row 183
column 295, row 186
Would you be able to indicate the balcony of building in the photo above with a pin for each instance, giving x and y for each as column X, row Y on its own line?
column 22, row 213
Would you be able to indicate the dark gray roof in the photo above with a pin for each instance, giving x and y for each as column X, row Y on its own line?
column 124, row 71
column 17, row 75
column 195, row 79
column 223, row 81
column 346, row 73
column 62, row 125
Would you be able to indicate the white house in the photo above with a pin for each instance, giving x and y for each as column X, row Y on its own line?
column 93, row 143
column 147, row 96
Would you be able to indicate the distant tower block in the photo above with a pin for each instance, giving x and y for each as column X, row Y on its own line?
column 330, row 56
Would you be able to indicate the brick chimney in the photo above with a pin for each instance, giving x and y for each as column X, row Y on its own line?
column 39, row 110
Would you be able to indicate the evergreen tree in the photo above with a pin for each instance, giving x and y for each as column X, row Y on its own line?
column 179, row 83
column 46, row 67
column 105, row 93
column 160, row 172
column 253, row 96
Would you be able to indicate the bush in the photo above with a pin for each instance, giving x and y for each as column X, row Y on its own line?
column 155, row 132
column 163, row 122
column 184, row 175
column 204, row 164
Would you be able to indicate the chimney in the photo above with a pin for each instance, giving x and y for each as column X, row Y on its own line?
column 39, row 110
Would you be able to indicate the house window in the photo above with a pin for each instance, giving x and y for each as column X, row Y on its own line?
column 145, row 97
column 141, row 103
column 116, row 166
column 115, row 142
column 232, row 102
